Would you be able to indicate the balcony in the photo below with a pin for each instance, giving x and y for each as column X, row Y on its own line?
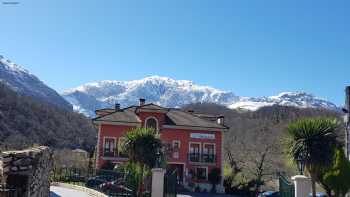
column 120, row 155
column 108, row 154
column 201, row 158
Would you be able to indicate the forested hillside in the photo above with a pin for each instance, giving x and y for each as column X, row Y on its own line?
column 24, row 122
column 254, row 144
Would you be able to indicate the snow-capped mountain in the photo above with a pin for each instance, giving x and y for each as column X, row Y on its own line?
column 23, row 82
column 168, row 92
column 159, row 90
column 295, row 99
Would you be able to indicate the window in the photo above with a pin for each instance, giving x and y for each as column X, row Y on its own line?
column 121, row 151
column 201, row 173
column 209, row 149
column 109, row 147
column 195, row 150
column 176, row 149
column 152, row 123
column 208, row 153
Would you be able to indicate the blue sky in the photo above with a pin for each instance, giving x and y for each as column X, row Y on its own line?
column 253, row 48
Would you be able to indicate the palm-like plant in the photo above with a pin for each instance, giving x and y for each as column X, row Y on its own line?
column 314, row 140
column 142, row 146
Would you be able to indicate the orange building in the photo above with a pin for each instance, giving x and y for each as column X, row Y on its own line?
column 196, row 139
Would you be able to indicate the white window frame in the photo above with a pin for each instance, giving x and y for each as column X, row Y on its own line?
column 209, row 144
column 178, row 141
column 176, row 156
column 119, row 138
column 152, row 117
column 206, row 172
column 200, row 147
column 115, row 144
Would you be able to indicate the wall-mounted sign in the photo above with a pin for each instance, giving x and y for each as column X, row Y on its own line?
column 203, row 136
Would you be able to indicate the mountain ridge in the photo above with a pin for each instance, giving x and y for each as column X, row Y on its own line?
column 169, row 92
column 26, row 83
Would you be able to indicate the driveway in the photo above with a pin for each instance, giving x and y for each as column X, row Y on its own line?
column 64, row 192
column 192, row 194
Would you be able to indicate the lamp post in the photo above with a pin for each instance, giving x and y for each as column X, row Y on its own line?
column 347, row 120
column 158, row 159
column 301, row 164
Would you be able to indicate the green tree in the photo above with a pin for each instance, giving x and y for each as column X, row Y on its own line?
column 337, row 177
column 214, row 178
column 142, row 145
column 314, row 140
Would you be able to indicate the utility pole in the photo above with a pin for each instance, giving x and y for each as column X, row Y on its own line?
column 347, row 120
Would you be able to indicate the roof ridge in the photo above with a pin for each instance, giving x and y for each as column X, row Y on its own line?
column 211, row 122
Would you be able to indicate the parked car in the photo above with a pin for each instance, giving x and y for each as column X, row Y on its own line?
column 270, row 194
column 319, row 194
column 94, row 182
column 116, row 187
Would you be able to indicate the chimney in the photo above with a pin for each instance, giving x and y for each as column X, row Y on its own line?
column 220, row 120
column 142, row 101
column 117, row 106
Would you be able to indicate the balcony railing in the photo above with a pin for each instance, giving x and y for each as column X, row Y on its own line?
column 201, row 158
column 115, row 154
column 108, row 154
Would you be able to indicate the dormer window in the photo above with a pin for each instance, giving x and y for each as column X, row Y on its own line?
column 151, row 122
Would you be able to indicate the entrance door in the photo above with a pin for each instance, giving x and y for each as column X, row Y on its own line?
column 19, row 183
column 179, row 170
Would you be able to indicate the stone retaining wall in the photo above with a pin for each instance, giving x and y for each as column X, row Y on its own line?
column 27, row 171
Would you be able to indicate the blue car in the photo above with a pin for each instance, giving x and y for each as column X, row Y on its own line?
column 270, row 194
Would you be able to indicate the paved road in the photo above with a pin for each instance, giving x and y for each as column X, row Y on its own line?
column 191, row 194
column 64, row 192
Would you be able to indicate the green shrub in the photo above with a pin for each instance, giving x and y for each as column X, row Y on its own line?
column 337, row 177
column 214, row 178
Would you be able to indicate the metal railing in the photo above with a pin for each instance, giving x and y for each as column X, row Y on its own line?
column 108, row 154
column 115, row 154
column 170, row 184
column 201, row 158
column 110, row 182
column 286, row 188
column 9, row 192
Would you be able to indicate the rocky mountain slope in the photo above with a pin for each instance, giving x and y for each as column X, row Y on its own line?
column 23, row 82
column 176, row 93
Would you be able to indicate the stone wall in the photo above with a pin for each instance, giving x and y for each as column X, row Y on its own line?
column 27, row 171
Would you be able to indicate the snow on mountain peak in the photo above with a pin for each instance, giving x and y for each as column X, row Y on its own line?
column 22, row 81
column 164, row 91
column 295, row 99
column 169, row 92
column 9, row 65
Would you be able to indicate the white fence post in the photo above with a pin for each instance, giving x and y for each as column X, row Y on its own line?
column 302, row 185
column 158, row 182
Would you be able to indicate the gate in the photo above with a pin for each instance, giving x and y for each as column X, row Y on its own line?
column 170, row 184
column 8, row 192
column 286, row 188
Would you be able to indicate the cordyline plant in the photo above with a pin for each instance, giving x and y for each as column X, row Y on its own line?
column 314, row 140
column 142, row 146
